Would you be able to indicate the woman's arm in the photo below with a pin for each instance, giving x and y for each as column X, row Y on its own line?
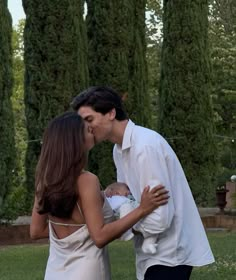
column 39, row 223
column 92, row 203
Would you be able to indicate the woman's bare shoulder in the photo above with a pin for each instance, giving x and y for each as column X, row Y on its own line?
column 88, row 186
column 87, row 178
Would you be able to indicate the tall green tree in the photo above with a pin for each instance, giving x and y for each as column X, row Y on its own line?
column 138, row 95
column 7, row 146
column 18, row 100
column 55, row 67
column 117, row 50
column 186, row 115
column 15, row 200
column 154, row 37
column 223, row 55
column 102, row 65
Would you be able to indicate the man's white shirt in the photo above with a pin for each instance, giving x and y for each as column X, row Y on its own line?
column 145, row 158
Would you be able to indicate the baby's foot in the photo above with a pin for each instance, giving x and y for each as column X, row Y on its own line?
column 149, row 248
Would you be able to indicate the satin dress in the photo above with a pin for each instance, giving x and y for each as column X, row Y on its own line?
column 76, row 257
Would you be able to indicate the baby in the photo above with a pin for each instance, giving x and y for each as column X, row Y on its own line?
column 122, row 202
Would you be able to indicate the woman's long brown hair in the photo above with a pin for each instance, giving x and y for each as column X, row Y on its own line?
column 62, row 158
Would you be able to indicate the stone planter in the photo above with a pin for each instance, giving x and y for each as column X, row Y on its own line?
column 221, row 200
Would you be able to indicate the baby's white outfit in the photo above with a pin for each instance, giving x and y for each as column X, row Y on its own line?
column 123, row 205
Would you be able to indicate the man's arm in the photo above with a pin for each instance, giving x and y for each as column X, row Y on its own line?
column 151, row 169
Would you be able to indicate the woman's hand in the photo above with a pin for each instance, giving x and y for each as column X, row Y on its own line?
column 152, row 199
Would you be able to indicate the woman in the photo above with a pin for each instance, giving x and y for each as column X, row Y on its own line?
column 70, row 208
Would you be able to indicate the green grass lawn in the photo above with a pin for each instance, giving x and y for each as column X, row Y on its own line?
column 28, row 262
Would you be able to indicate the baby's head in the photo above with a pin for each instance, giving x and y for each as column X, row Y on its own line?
column 117, row 189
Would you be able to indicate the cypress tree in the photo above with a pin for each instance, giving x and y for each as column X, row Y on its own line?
column 114, row 30
column 140, row 100
column 101, row 61
column 55, row 66
column 223, row 54
column 186, row 116
column 7, row 144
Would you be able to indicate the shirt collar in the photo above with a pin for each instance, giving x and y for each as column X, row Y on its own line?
column 126, row 143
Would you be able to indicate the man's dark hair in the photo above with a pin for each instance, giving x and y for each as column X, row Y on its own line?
column 101, row 99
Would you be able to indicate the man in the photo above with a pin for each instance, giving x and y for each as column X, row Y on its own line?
column 143, row 157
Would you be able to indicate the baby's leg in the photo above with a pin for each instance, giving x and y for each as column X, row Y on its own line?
column 125, row 209
column 149, row 245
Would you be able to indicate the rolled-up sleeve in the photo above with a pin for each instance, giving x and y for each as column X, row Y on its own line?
column 152, row 169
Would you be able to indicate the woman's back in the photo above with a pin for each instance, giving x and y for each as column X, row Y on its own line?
column 63, row 227
column 76, row 256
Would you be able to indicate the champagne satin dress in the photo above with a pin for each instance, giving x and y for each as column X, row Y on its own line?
column 76, row 257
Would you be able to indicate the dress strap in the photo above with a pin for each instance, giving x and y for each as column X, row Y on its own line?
column 64, row 224
column 69, row 225
column 79, row 209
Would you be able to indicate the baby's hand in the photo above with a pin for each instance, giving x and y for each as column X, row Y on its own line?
column 108, row 192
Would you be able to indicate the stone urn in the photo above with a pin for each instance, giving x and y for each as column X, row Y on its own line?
column 221, row 198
